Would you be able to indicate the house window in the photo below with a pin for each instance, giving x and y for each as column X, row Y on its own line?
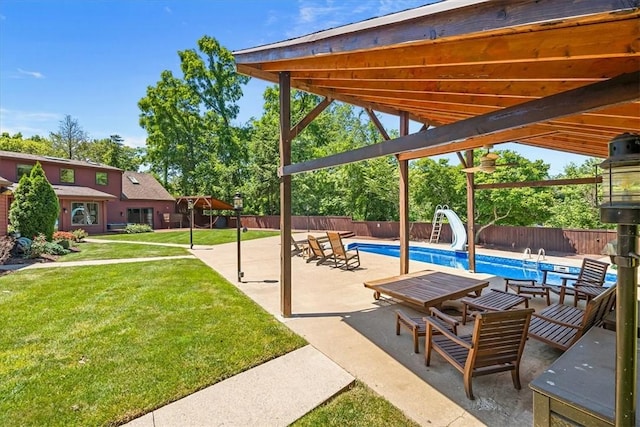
column 68, row 176
column 23, row 170
column 140, row 216
column 84, row 213
column 101, row 178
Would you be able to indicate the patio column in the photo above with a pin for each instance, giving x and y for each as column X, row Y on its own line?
column 285, row 194
column 471, row 207
column 404, row 200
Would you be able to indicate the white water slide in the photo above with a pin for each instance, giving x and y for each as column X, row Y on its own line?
column 457, row 229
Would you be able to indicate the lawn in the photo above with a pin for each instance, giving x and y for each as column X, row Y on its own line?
column 200, row 237
column 358, row 406
column 91, row 251
column 101, row 345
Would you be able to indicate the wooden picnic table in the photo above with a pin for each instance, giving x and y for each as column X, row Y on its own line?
column 426, row 288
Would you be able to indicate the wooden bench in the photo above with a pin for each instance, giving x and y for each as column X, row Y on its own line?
column 561, row 325
column 493, row 301
column 416, row 325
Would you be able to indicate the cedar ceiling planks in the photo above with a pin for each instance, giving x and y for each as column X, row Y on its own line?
column 443, row 64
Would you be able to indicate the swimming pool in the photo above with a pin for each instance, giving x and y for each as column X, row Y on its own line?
column 498, row 266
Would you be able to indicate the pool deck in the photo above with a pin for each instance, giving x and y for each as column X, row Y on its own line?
column 338, row 316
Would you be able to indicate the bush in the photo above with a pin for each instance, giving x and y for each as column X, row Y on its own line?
column 79, row 235
column 6, row 246
column 35, row 207
column 64, row 239
column 40, row 247
column 138, row 228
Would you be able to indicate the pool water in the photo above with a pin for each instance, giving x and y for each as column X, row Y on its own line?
column 498, row 266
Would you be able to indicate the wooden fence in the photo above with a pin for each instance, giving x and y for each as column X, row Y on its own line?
column 586, row 242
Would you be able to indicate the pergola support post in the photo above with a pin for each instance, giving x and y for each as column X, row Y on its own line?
column 404, row 200
column 285, row 194
column 471, row 207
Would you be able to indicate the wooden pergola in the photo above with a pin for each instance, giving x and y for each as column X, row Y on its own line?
column 557, row 74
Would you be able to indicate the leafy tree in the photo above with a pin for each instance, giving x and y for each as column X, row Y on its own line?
column 435, row 182
column 513, row 206
column 577, row 206
column 191, row 142
column 35, row 207
column 70, row 138
column 34, row 145
column 111, row 151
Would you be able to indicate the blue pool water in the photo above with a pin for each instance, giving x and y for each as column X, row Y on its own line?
column 498, row 266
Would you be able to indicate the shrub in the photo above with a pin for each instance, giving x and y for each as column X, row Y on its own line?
column 6, row 246
column 138, row 228
column 35, row 207
column 79, row 235
column 64, row 239
column 40, row 247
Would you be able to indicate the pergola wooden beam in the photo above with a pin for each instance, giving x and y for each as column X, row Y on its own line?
column 299, row 127
column 544, row 183
column 623, row 88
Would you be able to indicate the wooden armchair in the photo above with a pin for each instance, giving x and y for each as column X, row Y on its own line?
column 561, row 325
column 317, row 251
column 592, row 273
column 349, row 259
column 496, row 344
column 299, row 247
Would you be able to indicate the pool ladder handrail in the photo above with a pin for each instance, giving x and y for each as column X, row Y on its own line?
column 542, row 254
column 526, row 252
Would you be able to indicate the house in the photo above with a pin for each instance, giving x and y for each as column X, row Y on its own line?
column 92, row 196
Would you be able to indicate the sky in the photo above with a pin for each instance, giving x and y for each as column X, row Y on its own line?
column 94, row 60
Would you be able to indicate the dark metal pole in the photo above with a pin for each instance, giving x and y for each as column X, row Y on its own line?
column 191, row 228
column 238, row 238
column 627, row 325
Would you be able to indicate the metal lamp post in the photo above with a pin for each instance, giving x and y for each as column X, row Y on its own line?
column 237, row 206
column 190, row 207
column 621, row 206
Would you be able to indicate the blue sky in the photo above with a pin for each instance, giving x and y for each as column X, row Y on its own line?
column 94, row 60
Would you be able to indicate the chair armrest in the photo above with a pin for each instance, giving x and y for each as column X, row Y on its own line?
column 566, row 278
column 437, row 324
column 521, row 282
column 557, row 322
column 521, row 296
column 445, row 317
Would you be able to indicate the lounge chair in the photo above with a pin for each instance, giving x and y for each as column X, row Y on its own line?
column 561, row 325
column 349, row 259
column 496, row 344
column 592, row 273
column 317, row 251
column 299, row 248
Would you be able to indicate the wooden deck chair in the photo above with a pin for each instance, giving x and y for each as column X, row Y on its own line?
column 561, row 325
column 317, row 252
column 349, row 259
column 298, row 248
column 496, row 344
column 592, row 273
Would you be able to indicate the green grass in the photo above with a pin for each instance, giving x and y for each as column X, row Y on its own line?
column 200, row 237
column 101, row 345
column 91, row 251
column 358, row 406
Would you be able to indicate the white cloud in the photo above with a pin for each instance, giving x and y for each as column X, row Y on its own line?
column 34, row 74
column 134, row 141
column 168, row 9
column 29, row 123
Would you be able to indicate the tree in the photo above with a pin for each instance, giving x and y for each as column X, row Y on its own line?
column 111, row 151
column 35, row 207
column 513, row 206
column 70, row 138
column 433, row 183
column 577, row 206
column 34, row 145
column 191, row 142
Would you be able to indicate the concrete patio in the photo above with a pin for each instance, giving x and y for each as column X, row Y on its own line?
column 339, row 317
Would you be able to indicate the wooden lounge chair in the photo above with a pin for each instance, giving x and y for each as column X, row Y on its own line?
column 561, row 325
column 317, row 251
column 298, row 248
column 349, row 259
column 496, row 344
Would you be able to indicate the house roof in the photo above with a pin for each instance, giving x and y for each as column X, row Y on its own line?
column 57, row 160
column 71, row 191
column 557, row 74
column 143, row 186
column 5, row 182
